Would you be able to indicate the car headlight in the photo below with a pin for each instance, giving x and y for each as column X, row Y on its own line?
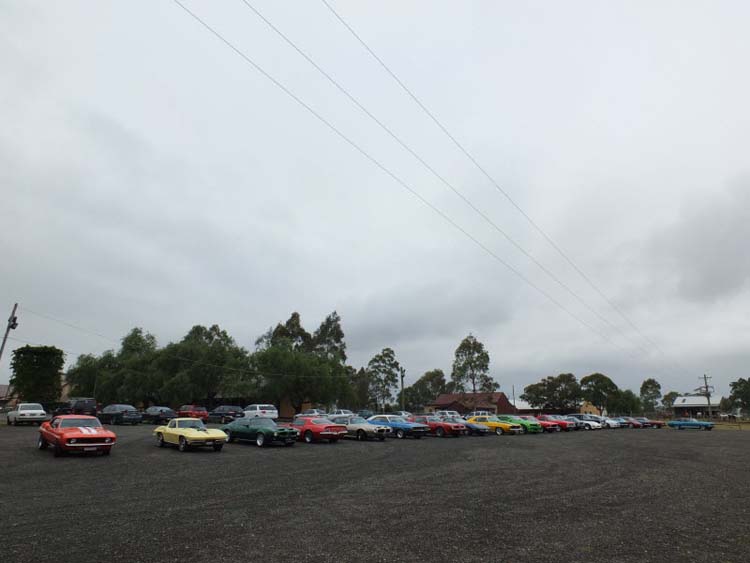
column 107, row 440
column 72, row 441
column 275, row 433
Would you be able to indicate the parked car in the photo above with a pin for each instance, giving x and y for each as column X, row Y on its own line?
column 75, row 433
column 480, row 413
column 225, row 413
column 471, row 428
column 647, row 423
column 340, row 412
column 187, row 433
column 404, row 414
column 158, row 415
column 192, row 411
column 262, row 431
column 610, row 423
column 563, row 424
column 365, row 413
column 400, row 427
column 627, row 422
column 589, row 424
column 261, row 411
column 357, row 427
column 495, row 424
column 682, row 423
column 448, row 413
column 27, row 413
column 440, row 427
column 577, row 422
column 547, row 425
column 313, row 429
column 77, row 405
column 312, row 412
column 120, row 414
column 527, row 426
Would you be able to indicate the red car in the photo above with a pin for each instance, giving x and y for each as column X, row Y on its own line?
column 314, row 428
column 193, row 411
column 547, row 425
column 75, row 433
column 440, row 428
column 563, row 424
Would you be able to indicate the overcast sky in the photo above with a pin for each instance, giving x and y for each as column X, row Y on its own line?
column 151, row 177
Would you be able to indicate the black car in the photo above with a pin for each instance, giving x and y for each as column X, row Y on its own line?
column 225, row 414
column 120, row 414
column 77, row 405
column 365, row 413
column 158, row 415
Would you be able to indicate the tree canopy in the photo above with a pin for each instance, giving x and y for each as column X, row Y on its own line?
column 471, row 366
column 597, row 388
column 560, row 393
column 36, row 373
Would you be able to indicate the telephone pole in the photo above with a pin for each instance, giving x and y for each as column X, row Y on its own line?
column 402, row 373
column 12, row 324
column 707, row 392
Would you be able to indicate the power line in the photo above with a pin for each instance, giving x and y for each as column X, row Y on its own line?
column 487, row 175
column 392, row 175
column 435, row 173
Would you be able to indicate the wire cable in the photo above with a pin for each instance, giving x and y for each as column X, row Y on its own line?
column 487, row 175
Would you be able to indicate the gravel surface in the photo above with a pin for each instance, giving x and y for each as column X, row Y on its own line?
column 607, row 496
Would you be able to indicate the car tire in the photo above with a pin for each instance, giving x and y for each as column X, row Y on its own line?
column 260, row 439
column 160, row 440
column 308, row 437
column 523, row 430
column 381, row 438
column 41, row 443
column 183, row 445
column 417, row 436
column 361, row 435
column 440, row 433
column 333, row 440
column 230, row 437
column 57, row 450
column 400, row 434
column 217, row 447
column 15, row 422
column 499, row 431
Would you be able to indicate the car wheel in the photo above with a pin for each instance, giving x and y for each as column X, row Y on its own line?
column 400, row 434
column 523, row 430
column 440, row 433
column 217, row 447
column 41, row 443
column 499, row 431
column 381, row 438
column 308, row 436
column 361, row 435
column 333, row 440
column 57, row 450
column 260, row 439
column 183, row 445
column 15, row 422
column 230, row 437
column 160, row 440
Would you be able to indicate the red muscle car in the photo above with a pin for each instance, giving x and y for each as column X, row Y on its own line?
column 438, row 427
column 193, row 411
column 75, row 433
column 314, row 428
column 563, row 424
column 547, row 425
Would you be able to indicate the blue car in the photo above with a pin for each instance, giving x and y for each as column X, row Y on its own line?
column 682, row 423
column 400, row 427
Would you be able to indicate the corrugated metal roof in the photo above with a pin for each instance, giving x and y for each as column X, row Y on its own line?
column 690, row 401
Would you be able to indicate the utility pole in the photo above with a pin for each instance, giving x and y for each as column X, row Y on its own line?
column 12, row 324
column 707, row 392
column 513, row 390
column 402, row 373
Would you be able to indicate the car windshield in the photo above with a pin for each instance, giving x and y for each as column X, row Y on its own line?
column 397, row 419
column 263, row 422
column 493, row 419
column 80, row 422
column 321, row 421
column 31, row 407
column 530, row 418
column 453, row 419
column 192, row 423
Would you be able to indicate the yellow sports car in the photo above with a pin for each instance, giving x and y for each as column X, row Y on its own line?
column 186, row 433
column 496, row 425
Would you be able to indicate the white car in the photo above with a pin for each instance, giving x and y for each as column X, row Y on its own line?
column 341, row 412
column 610, row 423
column 591, row 424
column 261, row 411
column 448, row 414
column 27, row 412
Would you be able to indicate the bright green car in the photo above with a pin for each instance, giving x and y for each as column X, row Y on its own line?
column 262, row 431
column 527, row 426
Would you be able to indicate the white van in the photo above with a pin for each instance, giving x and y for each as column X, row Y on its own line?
column 261, row 411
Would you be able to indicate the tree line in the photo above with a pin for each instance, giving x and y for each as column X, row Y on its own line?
column 208, row 366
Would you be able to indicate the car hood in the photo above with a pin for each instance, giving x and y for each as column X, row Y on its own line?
column 207, row 433
column 86, row 432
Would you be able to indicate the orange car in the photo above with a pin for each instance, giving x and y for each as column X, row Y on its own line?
column 75, row 433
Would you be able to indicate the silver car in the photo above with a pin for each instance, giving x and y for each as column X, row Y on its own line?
column 27, row 413
column 357, row 427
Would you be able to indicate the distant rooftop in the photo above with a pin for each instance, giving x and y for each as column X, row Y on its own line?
column 689, row 401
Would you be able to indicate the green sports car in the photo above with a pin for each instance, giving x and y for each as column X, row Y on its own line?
column 262, row 431
column 527, row 426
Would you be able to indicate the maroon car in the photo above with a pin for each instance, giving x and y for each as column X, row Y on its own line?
column 438, row 427
column 647, row 423
column 193, row 411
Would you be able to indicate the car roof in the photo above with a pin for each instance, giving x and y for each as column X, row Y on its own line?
column 76, row 416
column 186, row 418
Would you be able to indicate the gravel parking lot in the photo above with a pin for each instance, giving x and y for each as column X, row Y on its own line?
column 608, row 496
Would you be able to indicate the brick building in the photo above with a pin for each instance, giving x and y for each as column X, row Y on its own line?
column 466, row 402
